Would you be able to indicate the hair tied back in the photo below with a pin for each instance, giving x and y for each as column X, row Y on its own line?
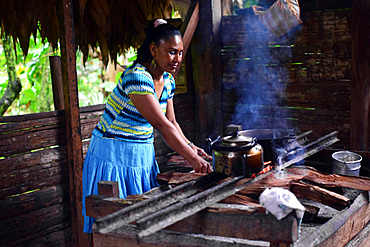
column 159, row 22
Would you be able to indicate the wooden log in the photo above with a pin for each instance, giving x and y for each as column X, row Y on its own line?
column 57, row 82
column 244, row 200
column 311, row 174
column 268, row 182
column 325, row 235
column 177, row 178
column 324, row 196
column 238, row 224
column 127, row 215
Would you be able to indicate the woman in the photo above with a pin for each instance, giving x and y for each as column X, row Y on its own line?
column 121, row 148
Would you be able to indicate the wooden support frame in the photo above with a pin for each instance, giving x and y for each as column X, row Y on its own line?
column 349, row 226
column 231, row 221
column 207, row 71
column 72, row 114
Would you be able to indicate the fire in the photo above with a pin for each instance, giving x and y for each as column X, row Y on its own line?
column 264, row 170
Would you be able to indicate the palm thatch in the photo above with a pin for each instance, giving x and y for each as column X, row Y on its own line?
column 111, row 25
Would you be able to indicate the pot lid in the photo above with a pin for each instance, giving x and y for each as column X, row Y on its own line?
column 237, row 140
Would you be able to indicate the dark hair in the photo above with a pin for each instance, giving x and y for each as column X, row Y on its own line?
column 157, row 35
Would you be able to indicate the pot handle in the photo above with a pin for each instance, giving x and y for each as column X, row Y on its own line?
column 209, row 140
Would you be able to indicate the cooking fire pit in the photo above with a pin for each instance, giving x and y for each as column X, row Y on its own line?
column 146, row 218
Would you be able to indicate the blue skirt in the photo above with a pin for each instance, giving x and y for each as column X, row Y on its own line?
column 131, row 164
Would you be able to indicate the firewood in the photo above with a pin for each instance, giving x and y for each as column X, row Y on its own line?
column 243, row 200
column 333, row 180
column 310, row 213
column 177, row 178
column 324, row 196
column 269, row 182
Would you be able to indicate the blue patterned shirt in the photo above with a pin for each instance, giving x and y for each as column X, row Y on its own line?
column 121, row 120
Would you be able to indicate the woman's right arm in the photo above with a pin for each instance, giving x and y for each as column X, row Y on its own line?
column 150, row 109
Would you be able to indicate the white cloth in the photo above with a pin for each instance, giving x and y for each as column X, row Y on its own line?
column 280, row 202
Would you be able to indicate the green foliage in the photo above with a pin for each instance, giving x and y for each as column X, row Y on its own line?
column 34, row 73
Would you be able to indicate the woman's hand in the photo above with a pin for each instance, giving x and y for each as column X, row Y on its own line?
column 201, row 152
column 200, row 165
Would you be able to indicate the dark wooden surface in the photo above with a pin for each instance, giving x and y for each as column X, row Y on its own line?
column 360, row 85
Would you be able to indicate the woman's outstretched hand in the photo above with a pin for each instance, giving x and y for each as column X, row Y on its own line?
column 201, row 152
column 201, row 164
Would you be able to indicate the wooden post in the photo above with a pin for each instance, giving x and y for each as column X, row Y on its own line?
column 207, row 70
column 57, row 81
column 73, row 125
column 360, row 85
column 108, row 188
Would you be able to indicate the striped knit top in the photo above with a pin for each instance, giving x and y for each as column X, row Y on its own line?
column 121, row 120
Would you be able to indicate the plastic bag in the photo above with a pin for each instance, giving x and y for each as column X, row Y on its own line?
column 281, row 17
column 280, row 202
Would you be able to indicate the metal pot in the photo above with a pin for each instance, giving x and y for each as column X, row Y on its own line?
column 270, row 140
column 346, row 163
column 237, row 155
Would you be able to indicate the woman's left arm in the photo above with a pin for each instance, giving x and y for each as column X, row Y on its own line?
column 170, row 114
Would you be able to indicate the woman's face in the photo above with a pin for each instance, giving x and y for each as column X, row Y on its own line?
column 168, row 54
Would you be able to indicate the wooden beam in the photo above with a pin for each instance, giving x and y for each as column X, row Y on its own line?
column 360, row 84
column 189, row 25
column 73, row 125
column 351, row 220
column 207, row 71
column 57, row 81
column 236, row 224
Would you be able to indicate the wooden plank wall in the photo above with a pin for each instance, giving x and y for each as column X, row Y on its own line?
column 301, row 79
column 34, row 188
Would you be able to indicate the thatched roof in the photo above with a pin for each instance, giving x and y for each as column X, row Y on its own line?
column 111, row 25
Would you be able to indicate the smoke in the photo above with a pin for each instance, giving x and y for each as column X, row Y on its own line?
column 261, row 80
